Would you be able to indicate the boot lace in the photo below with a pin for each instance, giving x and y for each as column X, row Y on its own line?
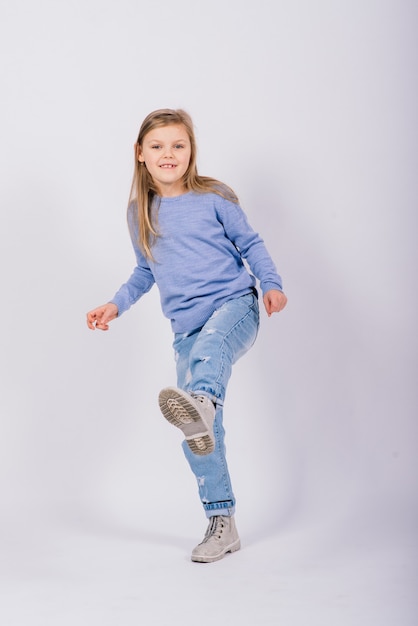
column 215, row 528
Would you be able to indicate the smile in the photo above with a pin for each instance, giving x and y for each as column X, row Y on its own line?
column 168, row 166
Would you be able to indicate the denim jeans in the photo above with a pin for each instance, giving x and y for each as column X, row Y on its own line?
column 204, row 359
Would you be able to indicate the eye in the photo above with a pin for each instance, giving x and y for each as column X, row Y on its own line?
column 179, row 146
column 155, row 147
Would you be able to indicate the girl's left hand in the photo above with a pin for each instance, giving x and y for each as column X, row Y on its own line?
column 274, row 301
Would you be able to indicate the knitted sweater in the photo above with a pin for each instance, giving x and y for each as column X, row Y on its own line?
column 198, row 259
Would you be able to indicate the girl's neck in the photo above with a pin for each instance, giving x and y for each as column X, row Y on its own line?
column 172, row 192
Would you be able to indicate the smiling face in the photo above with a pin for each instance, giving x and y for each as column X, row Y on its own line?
column 166, row 153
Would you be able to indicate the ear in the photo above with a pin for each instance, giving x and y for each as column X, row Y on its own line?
column 138, row 153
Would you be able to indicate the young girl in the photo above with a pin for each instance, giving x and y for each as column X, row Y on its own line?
column 190, row 237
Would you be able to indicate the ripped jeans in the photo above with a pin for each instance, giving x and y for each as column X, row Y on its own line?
column 204, row 359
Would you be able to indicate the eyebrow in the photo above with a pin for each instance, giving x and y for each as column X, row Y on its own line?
column 159, row 141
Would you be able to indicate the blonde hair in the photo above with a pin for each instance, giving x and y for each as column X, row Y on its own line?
column 143, row 189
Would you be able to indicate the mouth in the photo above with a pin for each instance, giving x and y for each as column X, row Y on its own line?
column 168, row 166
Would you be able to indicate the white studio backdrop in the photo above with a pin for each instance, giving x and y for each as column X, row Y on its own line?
column 308, row 110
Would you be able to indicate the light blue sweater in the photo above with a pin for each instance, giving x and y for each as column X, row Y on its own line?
column 198, row 259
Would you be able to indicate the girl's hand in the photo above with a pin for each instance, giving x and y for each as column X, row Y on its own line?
column 274, row 301
column 100, row 317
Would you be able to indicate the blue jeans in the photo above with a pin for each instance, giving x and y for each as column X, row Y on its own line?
column 204, row 359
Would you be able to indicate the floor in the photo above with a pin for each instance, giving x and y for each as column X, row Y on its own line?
column 92, row 574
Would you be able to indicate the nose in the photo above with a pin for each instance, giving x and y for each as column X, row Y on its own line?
column 168, row 152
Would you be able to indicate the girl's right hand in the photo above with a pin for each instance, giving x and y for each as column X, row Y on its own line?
column 100, row 317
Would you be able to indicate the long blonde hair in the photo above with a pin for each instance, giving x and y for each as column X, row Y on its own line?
column 143, row 189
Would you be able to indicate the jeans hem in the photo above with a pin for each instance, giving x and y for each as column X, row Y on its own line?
column 209, row 394
column 223, row 508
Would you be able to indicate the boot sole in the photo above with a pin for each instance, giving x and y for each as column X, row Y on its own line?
column 180, row 411
column 200, row 558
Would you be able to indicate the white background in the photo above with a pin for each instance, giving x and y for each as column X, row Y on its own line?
column 308, row 110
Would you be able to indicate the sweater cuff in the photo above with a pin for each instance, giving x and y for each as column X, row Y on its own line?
column 120, row 303
column 266, row 286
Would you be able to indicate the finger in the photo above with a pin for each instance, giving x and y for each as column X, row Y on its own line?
column 102, row 326
column 267, row 306
column 91, row 318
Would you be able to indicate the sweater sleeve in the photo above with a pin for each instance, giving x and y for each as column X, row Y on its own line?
column 250, row 245
column 141, row 279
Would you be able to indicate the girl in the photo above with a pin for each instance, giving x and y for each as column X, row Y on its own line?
column 190, row 237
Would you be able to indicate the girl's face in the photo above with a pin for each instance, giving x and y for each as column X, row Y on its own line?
column 166, row 153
